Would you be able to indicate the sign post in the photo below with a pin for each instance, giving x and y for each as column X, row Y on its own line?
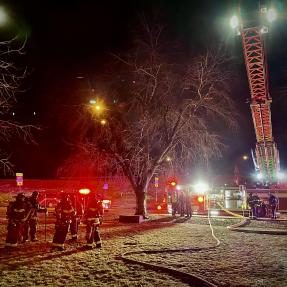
column 19, row 179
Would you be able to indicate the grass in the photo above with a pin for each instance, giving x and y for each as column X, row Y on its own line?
column 241, row 259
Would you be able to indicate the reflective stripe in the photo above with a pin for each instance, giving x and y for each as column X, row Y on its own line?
column 68, row 210
column 11, row 244
column 19, row 210
column 90, row 244
column 93, row 209
column 58, row 244
column 97, row 220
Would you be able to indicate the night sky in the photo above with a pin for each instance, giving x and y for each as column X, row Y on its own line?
column 67, row 39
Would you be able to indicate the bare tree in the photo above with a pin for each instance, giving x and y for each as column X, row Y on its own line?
column 164, row 110
column 10, row 80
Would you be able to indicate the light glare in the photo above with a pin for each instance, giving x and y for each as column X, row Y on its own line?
column 234, row 22
column 271, row 15
column 201, row 187
column 84, row 191
column 3, row 16
column 259, row 176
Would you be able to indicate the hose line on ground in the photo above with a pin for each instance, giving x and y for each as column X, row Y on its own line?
column 191, row 279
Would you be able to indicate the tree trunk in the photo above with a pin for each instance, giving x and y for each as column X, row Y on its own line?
column 141, row 202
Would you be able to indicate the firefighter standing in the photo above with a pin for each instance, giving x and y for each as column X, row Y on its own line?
column 174, row 202
column 273, row 202
column 16, row 214
column 181, row 203
column 76, row 219
column 93, row 216
column 188, row 199
column 253, row 201
column 30, row 226
column 64, row 214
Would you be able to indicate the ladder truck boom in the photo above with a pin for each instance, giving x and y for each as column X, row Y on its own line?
column 267, row 162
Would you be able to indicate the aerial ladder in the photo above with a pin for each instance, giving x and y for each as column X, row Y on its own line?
column 266, row 157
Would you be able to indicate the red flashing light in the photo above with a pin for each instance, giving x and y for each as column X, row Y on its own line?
column 200, row 199
column 173, row 183
column 84, row 191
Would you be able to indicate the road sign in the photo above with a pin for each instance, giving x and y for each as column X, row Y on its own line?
column 156, row 182
column 19, row 178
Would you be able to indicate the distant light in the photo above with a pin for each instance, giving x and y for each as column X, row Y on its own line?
column 173, row 183
column 92, row 102
column 158, row 207
column 107, row 201
column 97, row 107
column 168, row 158
column 34, row 113
column 200, row 199
column 3, row 16
column 84, row 191
column 178, row 187
column 245, row 157
column 234, row 22
column 13, row 114
column 201, row 187
column 271, row 15
column 103, row 122
column 259, row 176
column 214, row 213
column 264, row 30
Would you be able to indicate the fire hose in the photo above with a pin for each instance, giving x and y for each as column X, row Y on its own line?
column 192, row 279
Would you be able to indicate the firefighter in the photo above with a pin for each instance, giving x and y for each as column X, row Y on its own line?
column 93, row 216
column 181, row 203
column 30, row 226
column 253, row 201
column 76, row 219
column 64, row 214
column 273, row 202
column 16, row 214
column 188, row 199
column 174, row 202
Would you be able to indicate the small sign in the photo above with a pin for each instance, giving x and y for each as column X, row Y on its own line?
column 106, row 186
column 19, row 178
column 156, row 182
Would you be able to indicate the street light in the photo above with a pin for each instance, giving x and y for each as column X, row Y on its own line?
column 103, row 122
column 97, row 105
column 271, row 15
column 234, row 22
column 245, row 157
column 3, row 16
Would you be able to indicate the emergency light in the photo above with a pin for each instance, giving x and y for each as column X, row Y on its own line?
column 84, row 191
